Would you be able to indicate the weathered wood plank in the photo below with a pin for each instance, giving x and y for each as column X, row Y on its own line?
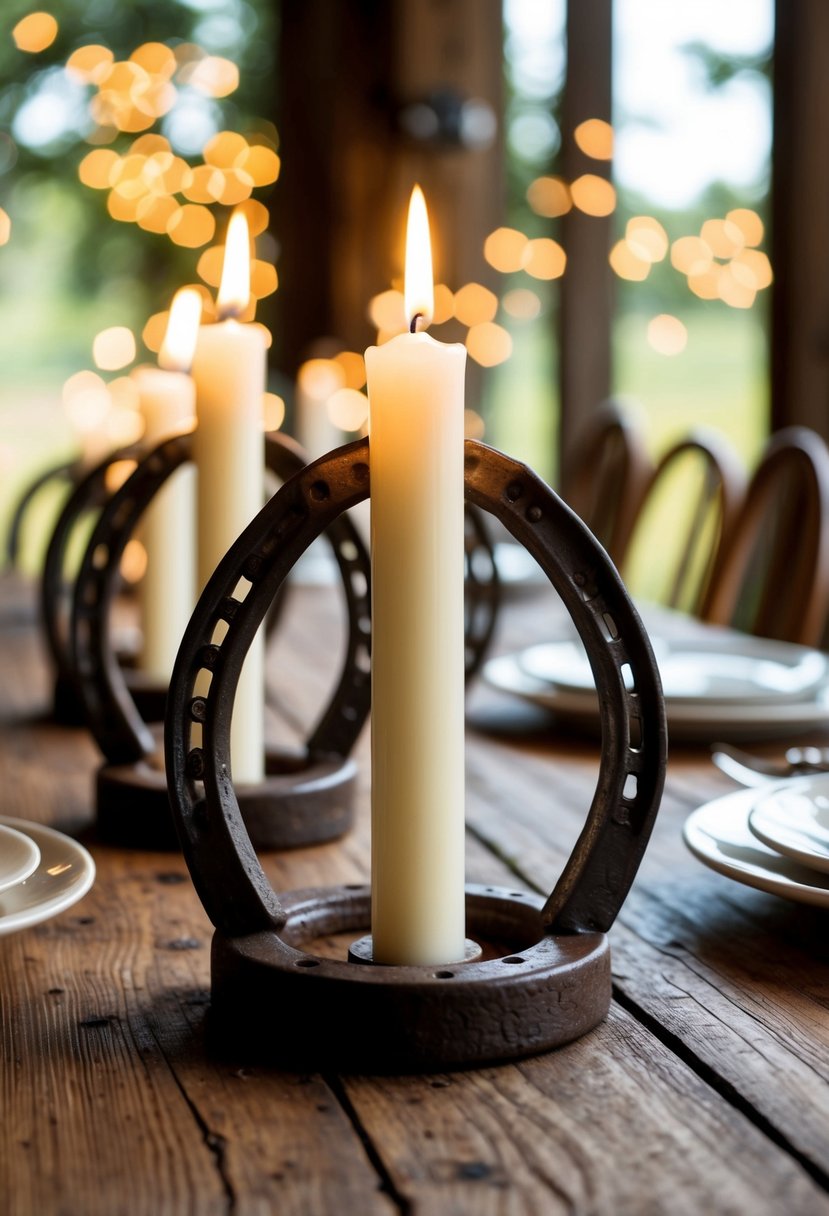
column 611, row 1124
column 111, row 1103
column 735, row 978
column 627, row 1120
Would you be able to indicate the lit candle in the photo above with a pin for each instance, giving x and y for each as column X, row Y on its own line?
column 229, row 370
column 167, row 400
column 416, row 404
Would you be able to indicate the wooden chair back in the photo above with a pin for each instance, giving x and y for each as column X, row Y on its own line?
column 683, row 517
column 603, row 477
column 772, row 576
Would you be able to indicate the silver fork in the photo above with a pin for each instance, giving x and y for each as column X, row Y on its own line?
column 749, row 769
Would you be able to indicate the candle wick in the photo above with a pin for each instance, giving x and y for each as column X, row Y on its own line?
column 413, row 327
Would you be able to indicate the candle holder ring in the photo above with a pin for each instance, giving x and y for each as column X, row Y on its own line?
column 90, row 493
column 544, row 976
column 482, row 589
column 67, row 471
column 306, row 796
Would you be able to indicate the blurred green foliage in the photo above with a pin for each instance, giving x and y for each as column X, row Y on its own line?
column 63, row 238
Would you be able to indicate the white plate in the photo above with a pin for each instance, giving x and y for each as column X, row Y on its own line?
column 794, row 819
column 718, row 834
column 689, row 722
column 66, row 872
column 717, row 668
column 19, row 857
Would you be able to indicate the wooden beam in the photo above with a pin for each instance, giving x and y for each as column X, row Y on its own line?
column 332, row 113
column 585, row 301
column 800, row 218
column 349, row 75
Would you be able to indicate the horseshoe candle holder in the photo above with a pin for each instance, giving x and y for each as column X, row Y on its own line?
column 544, row 978
column 90, row 492
column 67, row 471
column 306, row 797
column 482, row 589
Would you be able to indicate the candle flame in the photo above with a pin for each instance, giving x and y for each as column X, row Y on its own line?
column 419, row 283
column 179, row 345
column 234, row 290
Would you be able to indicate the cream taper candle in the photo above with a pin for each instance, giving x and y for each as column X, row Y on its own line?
column 167, row 400
column 416, row 436
column 229, row 371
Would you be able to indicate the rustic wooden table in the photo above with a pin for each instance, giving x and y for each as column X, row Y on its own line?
column 706, row 1090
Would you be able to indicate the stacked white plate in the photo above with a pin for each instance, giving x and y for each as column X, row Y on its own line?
column 718, row 684
column 774, row 837
column 42, row 872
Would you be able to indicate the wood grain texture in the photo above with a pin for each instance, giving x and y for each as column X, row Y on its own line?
column 735, row 981
column 608, row 1124
column 705, row 1090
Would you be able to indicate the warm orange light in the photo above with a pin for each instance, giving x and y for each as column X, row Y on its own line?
column 595, row 138
column 90, row 64
column 522, row 304
column 257, row 216
column 273, row 412
column 117, row 473
column 387, row 312
column 475, row 304
column 489, row 344
column 733, row 292
column 212, row 75
column 179, row 345
column 691, row 255
column 193, row 226
column 444, row 304
column 667, row 335
column 752, row 268
column 505, row 249
column 204, row 184
column 647, row 238
column 354, row 368
column 347, row 409
column 419, row 290
column 133, row 561
column 35, row 32
column 261, row 163
column 156, row 59
column 544, row 258
column 723, row 237
column 98, row 167
column 627, row 262
column 153, row 332
column 121, row 208
column 707, row 284
column 549, row 196
column 749, row 223
column 113, row 348
column 263, row 278
column 319, row 378
column 593, row 195
column 86, row 400
column 154, row 214
column 224, row 149
column 234, row 290
column 5, row 227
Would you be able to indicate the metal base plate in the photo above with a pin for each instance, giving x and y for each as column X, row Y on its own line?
column 275, row 1001
column 300, row 802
